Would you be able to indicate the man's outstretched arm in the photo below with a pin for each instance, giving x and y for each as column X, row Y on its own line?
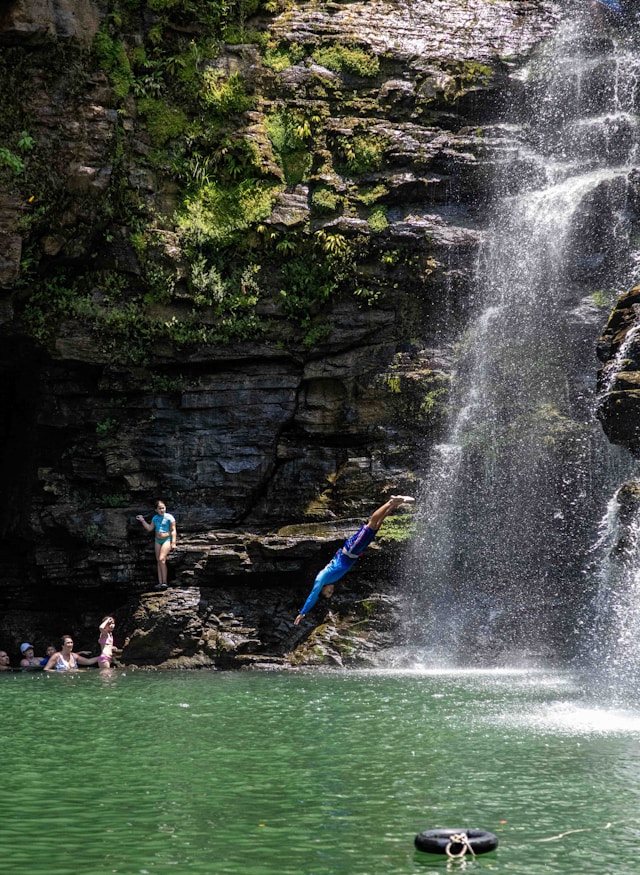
column 312, row 598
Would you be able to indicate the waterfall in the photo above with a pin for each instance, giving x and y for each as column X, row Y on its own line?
column 611, row 643
column 513, row 497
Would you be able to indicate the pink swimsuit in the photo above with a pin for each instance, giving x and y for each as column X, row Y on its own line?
column 104, row 639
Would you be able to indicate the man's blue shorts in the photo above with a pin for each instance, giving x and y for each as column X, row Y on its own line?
column 345, row 558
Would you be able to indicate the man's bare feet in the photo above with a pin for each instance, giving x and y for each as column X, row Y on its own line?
column 403, row 499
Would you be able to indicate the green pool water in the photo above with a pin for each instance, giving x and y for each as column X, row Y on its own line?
column 314, row 773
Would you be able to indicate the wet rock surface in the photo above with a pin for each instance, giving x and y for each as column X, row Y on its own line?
column 619, row 378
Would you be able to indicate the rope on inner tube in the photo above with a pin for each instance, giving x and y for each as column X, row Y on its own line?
column 459, row 838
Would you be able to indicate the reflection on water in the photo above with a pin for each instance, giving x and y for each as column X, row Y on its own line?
column 316, row 773
column 572, row 719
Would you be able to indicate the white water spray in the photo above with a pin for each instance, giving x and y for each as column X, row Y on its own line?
column 513, row 495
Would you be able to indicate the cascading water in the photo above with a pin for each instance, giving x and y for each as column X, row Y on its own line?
column 612, row 640
column 514, row 495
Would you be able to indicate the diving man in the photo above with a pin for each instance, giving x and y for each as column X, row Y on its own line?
column 345, row 558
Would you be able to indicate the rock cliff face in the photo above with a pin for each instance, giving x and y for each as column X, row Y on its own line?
column 619, row 378
column 237, row 251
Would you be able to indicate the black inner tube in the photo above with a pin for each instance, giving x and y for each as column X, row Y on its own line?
column 436, row 841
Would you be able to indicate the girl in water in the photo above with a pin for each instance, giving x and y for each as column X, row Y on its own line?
column 164, row 526
column 105, row 641
column 66, row 660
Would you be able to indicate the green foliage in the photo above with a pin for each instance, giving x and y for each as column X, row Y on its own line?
column 367, row 295
column 13, row 162
column 139, row 243
column 304, row 286
column 422, row 394
column 214, row 14
column 311, row 277
column 215, row 215
column 161, row 282
column 431, row 401
column 397, row 528
column 116, row 499
column 390, row 257
column 223, row 95
column 392, row 382
column 378, row 220
column 370, row 194
column 186, row 105
column 238, row 159
column 92, row 534
column 296, row 166
column 26, row 142
column 325, row 200
column 362, row 153
column 112, row 58
column 475, row 72
column 332, row 244
column 280, row 57
column 225, row 160
column 207, row 282
column 51, row 300
column 30, row 165
column 189, row 331
column 185, row 68
column 149, row 74
column 286, row 246
column 162, row 383
column 195, row 170
column 163, row 121
column 125, row 332
column 468, row 75
column 316, row 332
column 237, row 34
column 289, row 133
column 231, row 294
column 106, row 427
column 348, row 59
column 601, row 298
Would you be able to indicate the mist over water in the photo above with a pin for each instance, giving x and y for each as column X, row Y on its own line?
column 514, row 496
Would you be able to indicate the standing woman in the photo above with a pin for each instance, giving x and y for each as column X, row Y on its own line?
column 164, row 525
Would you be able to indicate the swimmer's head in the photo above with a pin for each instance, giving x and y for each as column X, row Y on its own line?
column 327, row 590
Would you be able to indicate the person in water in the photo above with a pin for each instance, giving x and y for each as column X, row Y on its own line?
column 50, row 650
column 345, row 558
column 164, row 526
column 5, row 662
column 105, row 641
column 65, row 659
column 28, row 659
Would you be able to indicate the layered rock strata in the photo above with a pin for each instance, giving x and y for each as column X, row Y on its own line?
column 318, row 416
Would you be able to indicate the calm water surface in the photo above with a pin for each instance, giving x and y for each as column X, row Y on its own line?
column 313, row 773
